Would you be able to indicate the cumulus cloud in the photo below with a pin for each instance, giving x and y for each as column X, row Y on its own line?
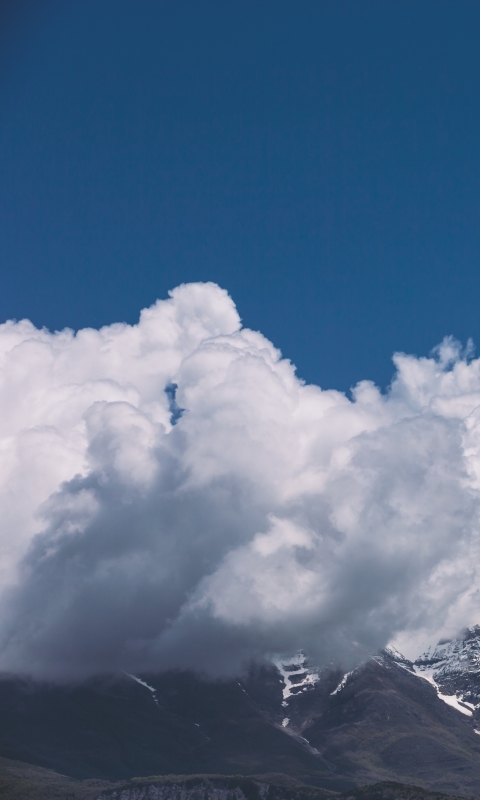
column 172, row 495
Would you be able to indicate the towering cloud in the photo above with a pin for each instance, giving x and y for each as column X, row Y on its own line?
column 171, row 494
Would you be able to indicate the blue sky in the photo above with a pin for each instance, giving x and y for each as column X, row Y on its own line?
column 319, row 160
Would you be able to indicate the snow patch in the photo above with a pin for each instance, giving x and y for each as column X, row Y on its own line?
column 139, row 680
column 450, row 699
column 295, row 667
column 396, row 654
column 341, row 684
column 142, row 683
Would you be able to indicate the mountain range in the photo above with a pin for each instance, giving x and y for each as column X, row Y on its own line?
column 390, row 719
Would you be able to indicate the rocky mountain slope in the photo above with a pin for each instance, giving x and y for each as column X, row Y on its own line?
column 453, row 667
column 118, row 728
column 383, row 722
column 389, row 719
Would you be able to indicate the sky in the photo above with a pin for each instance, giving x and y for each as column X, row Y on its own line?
column 318, row 160
column 239, row 391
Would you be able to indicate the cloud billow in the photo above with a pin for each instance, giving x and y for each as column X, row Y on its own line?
column 260, row 516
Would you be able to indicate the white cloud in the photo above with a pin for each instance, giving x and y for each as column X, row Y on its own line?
column 272, row 516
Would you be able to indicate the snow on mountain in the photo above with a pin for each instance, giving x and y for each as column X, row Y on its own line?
column 454, row 667
column 139, row 680
column 450, row 700
column 424, row 668
column 143, row 683
column 392, row 654
column 297, row 675
column 341, row 685
column 453, row 657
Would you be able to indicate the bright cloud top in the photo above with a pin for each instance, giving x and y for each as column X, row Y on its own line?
column 272, row 516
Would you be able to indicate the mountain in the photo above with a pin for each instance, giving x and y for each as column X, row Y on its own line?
column 388, row 720
column 174, row 723
column 453, row 667
column 384, row 722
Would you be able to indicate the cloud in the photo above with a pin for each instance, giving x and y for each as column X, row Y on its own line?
column 172, row 495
